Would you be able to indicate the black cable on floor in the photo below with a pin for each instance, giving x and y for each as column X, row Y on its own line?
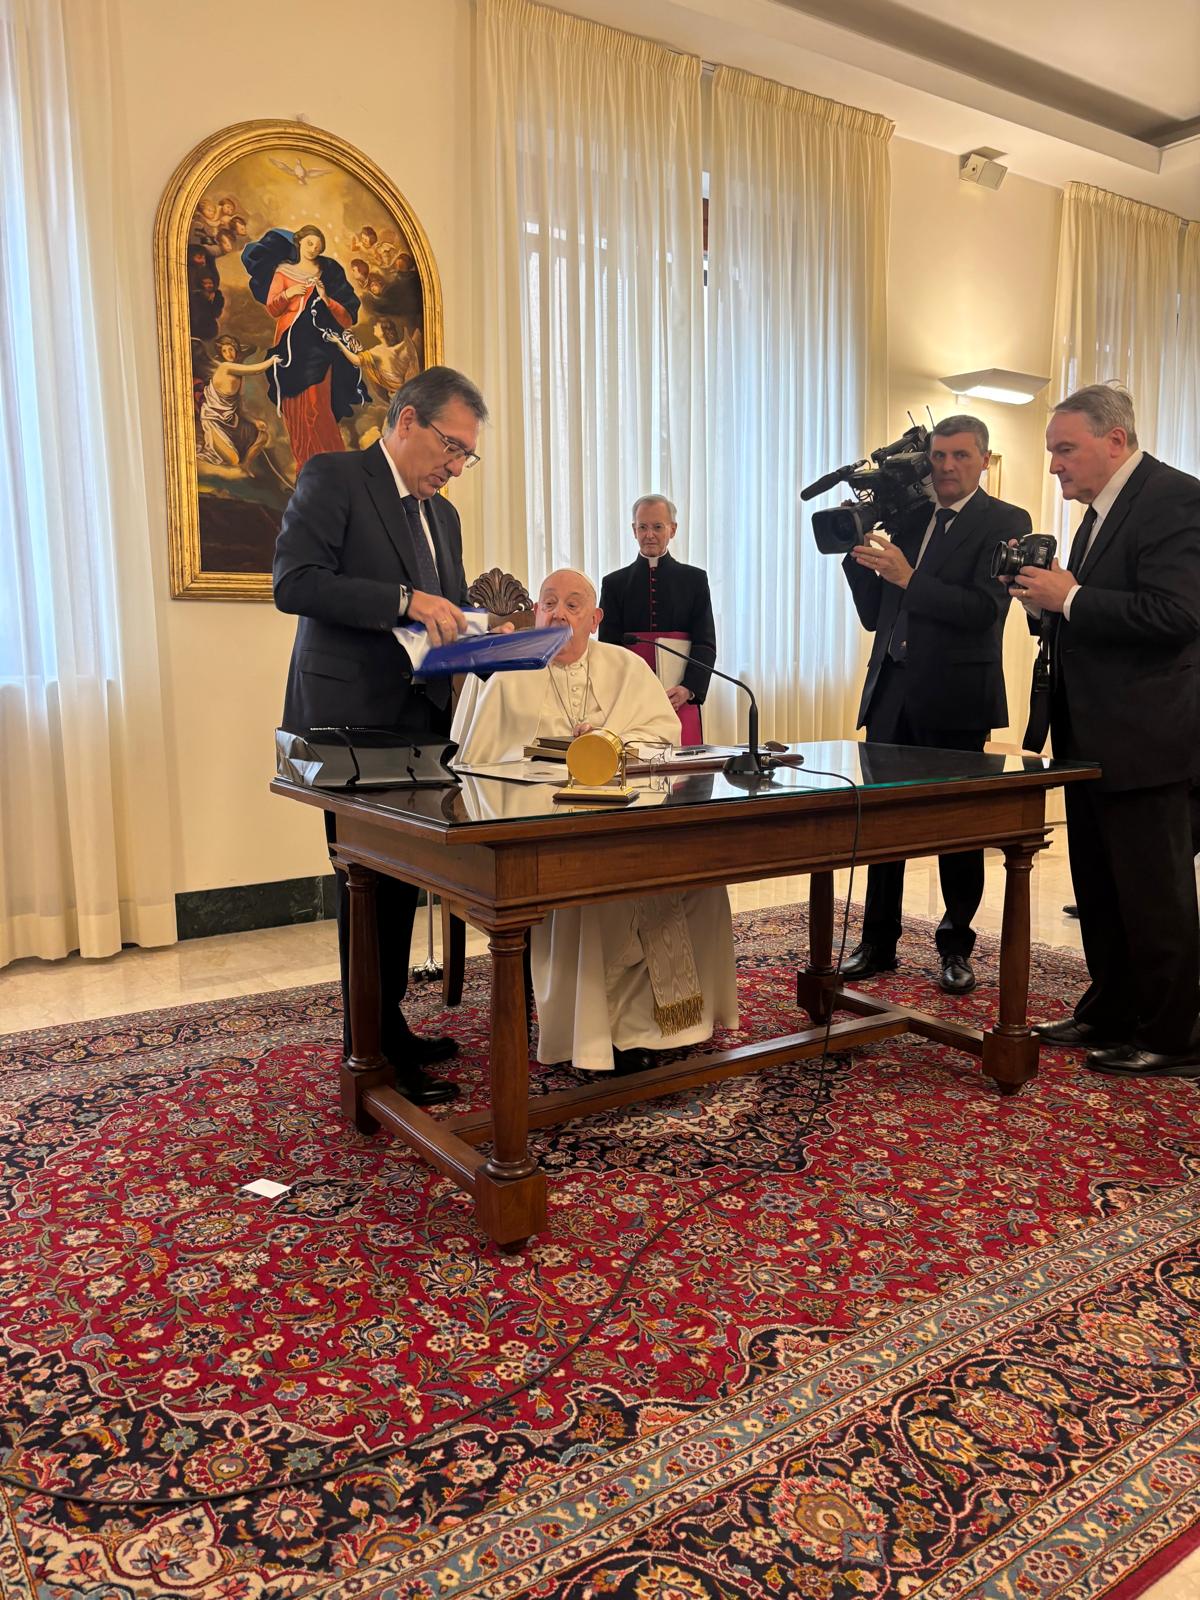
column 368, row 1458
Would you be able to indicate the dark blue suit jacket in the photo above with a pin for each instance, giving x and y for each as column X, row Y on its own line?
column 342, row 554
column 1126, row 666
column 954, row 675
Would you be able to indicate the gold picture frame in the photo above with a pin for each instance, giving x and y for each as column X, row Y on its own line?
column 991, row 475
column 273, row 346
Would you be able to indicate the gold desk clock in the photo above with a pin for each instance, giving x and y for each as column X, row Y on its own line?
column 596, row 765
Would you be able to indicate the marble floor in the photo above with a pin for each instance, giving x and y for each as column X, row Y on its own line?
column 39, row 993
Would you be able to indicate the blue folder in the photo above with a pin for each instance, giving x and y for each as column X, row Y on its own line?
column 484, row 653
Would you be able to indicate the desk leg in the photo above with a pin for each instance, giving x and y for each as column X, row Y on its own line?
column 510, row 1193
column 1010, row 1049
column 815, row 985
column 366, row 1067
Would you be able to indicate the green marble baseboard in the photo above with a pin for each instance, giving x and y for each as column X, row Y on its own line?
column 200, row 913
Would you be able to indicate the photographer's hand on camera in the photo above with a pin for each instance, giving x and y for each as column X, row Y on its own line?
column 1011, row 582
column 880, row 555
column 1039, row 589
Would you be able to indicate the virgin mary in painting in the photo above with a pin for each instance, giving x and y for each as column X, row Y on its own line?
column 314, row 307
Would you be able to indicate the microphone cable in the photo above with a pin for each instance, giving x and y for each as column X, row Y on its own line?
column 793, row 1163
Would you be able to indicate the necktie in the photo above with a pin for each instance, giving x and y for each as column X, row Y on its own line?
column 436, row 689
column 422, row 557
column 1080, row 544
column 898, row 643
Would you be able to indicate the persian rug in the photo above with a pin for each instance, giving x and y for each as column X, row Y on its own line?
column 872, row 1330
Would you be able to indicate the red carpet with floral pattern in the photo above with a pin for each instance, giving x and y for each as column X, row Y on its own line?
column 896, row 1335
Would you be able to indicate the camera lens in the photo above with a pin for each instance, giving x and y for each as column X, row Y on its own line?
column 839, row 529
column 1007, row 561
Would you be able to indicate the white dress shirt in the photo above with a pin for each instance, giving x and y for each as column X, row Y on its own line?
column 405, row 490
column 1102, row 505
column 956, row 508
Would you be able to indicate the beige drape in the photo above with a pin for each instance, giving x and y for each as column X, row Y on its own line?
column 85, row 858
column 1117, row 315
column 797, row 348
column 611, row 373
column 1180, row 436
column 588, row 198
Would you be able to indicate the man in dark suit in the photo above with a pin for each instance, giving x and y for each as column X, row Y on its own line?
column 367, row 542
column 935, row 677
column 1124, row 643
column 657, row 594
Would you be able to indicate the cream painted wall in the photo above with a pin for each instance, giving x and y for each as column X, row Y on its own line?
column 396, row 86
column 971, row 285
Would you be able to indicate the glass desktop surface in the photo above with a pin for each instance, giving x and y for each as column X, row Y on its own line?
column 826, row 768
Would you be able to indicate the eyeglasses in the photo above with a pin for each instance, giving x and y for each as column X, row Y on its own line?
column 454, row 450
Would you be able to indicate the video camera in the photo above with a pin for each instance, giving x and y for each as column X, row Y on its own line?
column 890, row 486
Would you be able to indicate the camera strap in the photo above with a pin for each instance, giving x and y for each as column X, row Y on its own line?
column 1038, row 726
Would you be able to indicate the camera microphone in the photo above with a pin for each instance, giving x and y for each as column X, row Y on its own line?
column 829, row 481
column 750, row 763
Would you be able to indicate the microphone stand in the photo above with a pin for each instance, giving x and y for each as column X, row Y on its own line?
column 751, row 763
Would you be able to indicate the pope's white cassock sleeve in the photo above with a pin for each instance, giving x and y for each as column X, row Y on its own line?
column 591, row 978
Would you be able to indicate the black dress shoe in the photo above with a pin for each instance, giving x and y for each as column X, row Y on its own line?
column 1127, row 1061
column 419, row 1051
column 424, row 1090
column 1072, row 1035
column 1071, row 910
column 958, row 976
column 628, row 1061
column 866, row 961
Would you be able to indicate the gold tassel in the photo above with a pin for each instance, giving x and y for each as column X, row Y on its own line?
column 679, row 1014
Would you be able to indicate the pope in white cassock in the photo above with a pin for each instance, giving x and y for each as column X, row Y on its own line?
column 615, row 981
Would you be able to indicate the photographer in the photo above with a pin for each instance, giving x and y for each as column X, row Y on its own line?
column 935, row 677
column 1124, row 690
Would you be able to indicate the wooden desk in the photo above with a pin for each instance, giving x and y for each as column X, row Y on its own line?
column 504, row 855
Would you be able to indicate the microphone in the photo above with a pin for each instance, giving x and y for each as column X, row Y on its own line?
column 752, row 763
column 828, row 481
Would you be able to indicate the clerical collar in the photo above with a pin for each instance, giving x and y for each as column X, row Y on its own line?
column 653, row 561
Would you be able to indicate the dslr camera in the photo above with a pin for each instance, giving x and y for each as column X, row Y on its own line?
column 890, row 487
column 1034, row 550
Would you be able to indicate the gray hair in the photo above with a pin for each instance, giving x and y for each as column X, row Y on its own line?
column 655, row 500
column 431, row 391
column 965, row 424
column 1103, row 406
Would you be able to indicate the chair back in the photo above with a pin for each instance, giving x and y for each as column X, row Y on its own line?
column 503, row 596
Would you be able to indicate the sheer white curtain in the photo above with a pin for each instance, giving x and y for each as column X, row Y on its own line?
column 1180, row 441
column 590, row 287
column 84, row 841
column 797, row 265
column 1117, row 316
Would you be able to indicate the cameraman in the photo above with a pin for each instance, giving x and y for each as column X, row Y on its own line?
column 1124, row 642
column 935, row 677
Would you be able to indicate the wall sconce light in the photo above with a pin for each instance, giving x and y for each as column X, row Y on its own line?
column 994, row 383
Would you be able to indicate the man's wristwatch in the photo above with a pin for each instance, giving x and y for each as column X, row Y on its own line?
column 405, row 599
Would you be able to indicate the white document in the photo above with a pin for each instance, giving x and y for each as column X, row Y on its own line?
column 266, row 1187
column 670, row 668
column 416, row 641
column 519, row 771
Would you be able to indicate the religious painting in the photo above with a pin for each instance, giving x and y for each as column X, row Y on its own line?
column 296, row 293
